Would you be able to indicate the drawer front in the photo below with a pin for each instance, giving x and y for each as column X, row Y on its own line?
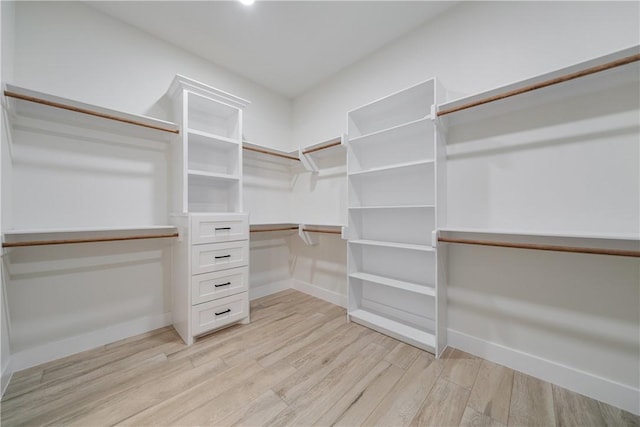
column 219, row 256
column 219, row 228
column 215, row 314
column 210, row 286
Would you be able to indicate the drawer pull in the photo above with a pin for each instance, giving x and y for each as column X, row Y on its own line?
column 228, row 310
column 223, row 228
column 222, row 284
column 223, row 256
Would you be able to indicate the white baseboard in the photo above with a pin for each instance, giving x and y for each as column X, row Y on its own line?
column 602, row 389
column 268, row 289
column 322, row 293
column 7, row 373
column 55, row 350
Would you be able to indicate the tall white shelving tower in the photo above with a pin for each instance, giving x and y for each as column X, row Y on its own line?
column 395, row 169
column 211, row 259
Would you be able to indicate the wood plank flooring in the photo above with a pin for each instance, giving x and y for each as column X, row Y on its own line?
column 297, row 363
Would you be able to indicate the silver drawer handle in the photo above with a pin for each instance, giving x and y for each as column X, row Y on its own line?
column 222, row 284
column 223, row 256
column 228, row 310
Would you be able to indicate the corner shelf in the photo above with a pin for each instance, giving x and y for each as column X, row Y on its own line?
column 278, row 156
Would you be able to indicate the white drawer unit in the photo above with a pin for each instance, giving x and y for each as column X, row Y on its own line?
column 214, row 314
column 219, row 256
column 211, row 273
column 221, row 228
column 209, row 286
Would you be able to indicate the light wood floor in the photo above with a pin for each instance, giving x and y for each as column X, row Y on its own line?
column 298, row 363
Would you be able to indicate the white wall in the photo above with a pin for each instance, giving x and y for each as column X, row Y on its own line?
column 71, row 50
column 473, row 47
column 68, row 298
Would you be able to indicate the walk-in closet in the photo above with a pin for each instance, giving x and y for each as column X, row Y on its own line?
column 320, row 213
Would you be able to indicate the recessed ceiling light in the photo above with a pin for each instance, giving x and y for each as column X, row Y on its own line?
column 247, row 2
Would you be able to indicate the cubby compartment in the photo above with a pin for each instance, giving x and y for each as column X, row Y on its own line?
column 208, row 154
column 401, row 264
column 404, row 225
column 212, row 117
column 404, row 186
column 401, row 107
column 400, row 145
column 208, row 194
column 393, row 311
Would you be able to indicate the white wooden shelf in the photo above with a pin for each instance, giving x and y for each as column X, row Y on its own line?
column 390, row 168
column 398, row 284
column 275, row 155
column 205, row 138
column 404, row 106
column 605, row 244
column 205, row 177
column 402, row 331
column 587, row 77
column 395, row 245
column 332, row 146
column 32, row 104
column 39, row 237
column 400, row 132
column 393, row 207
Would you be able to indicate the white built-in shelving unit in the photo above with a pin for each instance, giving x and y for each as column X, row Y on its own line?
column 395, row 169
column 91, row 166
column 211, row 261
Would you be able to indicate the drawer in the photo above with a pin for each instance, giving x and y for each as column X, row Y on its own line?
column 219, row 228
column 219, row 256
column 210, row 286
column 215, row 314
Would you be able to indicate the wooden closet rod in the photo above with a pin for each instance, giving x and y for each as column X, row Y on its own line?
column 329, row 144
column 87, row 240
column 309, row 230
column 274, row 229
column 550, row 82
column 85, row 111
column 271, row 153
column 598, row 251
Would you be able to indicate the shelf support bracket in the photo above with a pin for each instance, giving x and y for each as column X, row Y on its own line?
column 307, row 238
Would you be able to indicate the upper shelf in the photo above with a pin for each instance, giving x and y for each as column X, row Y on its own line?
column 24, row 102
column 586, row 77
column 405, row 106
column 18, row 238
column 607, row 244
column 279, row 156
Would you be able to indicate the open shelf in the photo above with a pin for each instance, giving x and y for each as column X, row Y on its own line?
column 587, row 77
column 38, row 105
column 330, row 147
column 394, row 245
column 392, row 167
column 405, row 106
column 206, row 138
column 212, row 117
column 204, row 177
column 414, row 336
column 392, row 207
column 262, row 152
column 408, row 226
column 606, row 244
column 398, row 284
column 39, row 237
